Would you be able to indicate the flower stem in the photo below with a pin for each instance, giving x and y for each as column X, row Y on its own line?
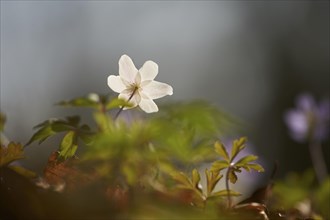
column 319, row 165
column 122, row 108
column 228, row 189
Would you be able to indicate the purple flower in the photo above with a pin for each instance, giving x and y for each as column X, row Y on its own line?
column 309, row 120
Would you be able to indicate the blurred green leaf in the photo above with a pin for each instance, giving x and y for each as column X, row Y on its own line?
column 23, row 171
column 91, row 100
column 182, row 178
column 11, row 153
column 42, row 134
column 68, row 145
column 238, row 145
column 195, row 178
column 322, row 198
column 244, row 160
column 117, row 103
column 225, row 193
column 232, row 176
column 254, row 166
column 102, row 120
column 71, row 126
column 212, row 178
column 219, row 165
column 293, row 189
column 221, row 150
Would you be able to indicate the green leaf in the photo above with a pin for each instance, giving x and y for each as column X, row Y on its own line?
column 219, row 165
column 102, row 121
column 68, row 145
column 91, row 100
column 244, row 160
column 182, row 178
column 212, row 178
column 232, row 176
column 221, row 150
column 24, row 172
column 60, row 126
column 42, row 134
column 225, row 193
column 13, row 152
column 255, row 167
column 117, row 103
column 238, row 145
column 195, row 178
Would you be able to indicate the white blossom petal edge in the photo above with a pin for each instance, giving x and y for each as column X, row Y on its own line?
column 138, row 86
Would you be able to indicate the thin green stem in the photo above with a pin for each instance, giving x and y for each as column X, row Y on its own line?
column 319, row 165
column 122, row 108
column 228, row 189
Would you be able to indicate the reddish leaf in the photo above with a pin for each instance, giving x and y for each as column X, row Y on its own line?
column 67, row 173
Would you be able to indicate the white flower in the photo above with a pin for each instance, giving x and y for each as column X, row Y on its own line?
column 138, row 86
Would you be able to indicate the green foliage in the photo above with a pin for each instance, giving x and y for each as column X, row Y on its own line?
column 23, row 171
column 297, row 188
column 234, row 167
column 212, row 178
column 70, row 125
column 68, row 145
column 96, row 101
column 214, row 174
column 11, row 153
column 322, row 198
column 145, row 152
column 91, row 101
column 187, row 131
column 194, row 185
column 172, row 138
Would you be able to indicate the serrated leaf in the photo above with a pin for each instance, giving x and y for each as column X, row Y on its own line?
column 195, row 178
column 12, row 152
column 238, row 145
column 255, row 167
column 244, row 160
column 225, row 193
column 117, row 103
column 219, row 165
column 232, row 176
column 68, row 146
column 221, row 150
column 24, row 172
column 212, row 178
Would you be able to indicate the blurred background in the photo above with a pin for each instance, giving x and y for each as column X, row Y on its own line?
column 250, row 59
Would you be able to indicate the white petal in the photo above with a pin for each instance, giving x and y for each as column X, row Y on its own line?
column 134, row 100
column 137, row 79
column 116, row 84
column 148, row 105
column 149, row 70
column 127, row 69
column 156, row 90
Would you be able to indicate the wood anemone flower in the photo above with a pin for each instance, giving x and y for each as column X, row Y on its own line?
column 138, row 87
